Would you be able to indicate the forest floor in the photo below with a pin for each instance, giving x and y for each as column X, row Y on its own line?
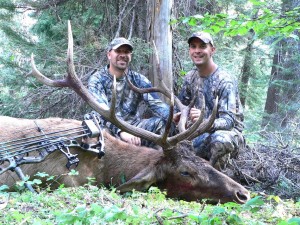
column 270, row 170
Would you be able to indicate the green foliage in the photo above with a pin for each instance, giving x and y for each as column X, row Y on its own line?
column 3, row 188
column 267, row 23
column 91, row 205
column 7, row 5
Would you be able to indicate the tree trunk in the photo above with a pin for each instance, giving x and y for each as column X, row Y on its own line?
column 274, row 90
column 159, row 31
column 246, row 73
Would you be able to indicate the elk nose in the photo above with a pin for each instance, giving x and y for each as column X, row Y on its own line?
column 242, row 196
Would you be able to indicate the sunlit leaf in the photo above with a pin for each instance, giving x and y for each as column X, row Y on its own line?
column 192, row 22
column 255, row 2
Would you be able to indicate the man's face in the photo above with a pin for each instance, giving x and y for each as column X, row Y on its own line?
column 200, row 52
column 120, row 58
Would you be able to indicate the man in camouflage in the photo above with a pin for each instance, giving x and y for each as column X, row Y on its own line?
column 119, row 54
column 208, row 79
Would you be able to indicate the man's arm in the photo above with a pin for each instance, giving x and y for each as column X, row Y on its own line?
column 227, row 107
column 97, row 89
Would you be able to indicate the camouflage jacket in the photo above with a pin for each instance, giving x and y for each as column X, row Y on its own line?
column 220, row 83
column 128, row 102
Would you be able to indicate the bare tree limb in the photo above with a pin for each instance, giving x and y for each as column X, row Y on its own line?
column 120, row 18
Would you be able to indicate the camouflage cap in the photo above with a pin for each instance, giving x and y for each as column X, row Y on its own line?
column 205, row 37
column 117, row 42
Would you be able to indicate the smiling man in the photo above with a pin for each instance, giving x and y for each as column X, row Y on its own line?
column 208, row 79
column 119, row 53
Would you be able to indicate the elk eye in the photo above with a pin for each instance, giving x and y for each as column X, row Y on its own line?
column 185, row 173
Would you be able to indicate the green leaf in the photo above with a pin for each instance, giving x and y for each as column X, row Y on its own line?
column 114, row 213
column 192, row 22
column 254, row 203
column 218, row 210
column 256, row 3
column 3, row 187
column 233, row 23
column 198, row 218
column 221, row 23
column 283, row 223
column 234, row 219
column 17, row 216
column 35, row 181
column 50, row 178
column 243, row 30
column 65, row 218
column 221, row 16
column 275, row 198
column 173, row 21
column 42, row 174
column 73, row 173
column 216, row 29
column 287, row 29
column 294, row 220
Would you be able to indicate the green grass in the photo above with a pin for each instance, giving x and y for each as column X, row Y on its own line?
column 93, row 205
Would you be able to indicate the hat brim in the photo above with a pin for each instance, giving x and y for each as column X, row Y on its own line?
column 119, row 45
column 202, row 39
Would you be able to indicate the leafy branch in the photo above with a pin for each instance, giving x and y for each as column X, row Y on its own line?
column 267, row 23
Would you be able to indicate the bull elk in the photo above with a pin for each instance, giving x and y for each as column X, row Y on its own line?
column 175, row 168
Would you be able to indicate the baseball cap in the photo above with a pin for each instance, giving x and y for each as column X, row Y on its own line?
column 117, row 42
column 205, row 37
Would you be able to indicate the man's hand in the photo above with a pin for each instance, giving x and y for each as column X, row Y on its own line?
column 129, row 138
column 194, row 114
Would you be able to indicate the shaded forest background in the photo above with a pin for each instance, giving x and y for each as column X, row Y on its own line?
column 256, row 41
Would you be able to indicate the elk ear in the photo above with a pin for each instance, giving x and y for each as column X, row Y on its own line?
column 140, row 182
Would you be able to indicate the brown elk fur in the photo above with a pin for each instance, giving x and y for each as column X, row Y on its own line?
column 178, row 171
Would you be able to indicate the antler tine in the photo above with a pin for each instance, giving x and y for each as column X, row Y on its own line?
column 188, row 132
column 147, row 90
column 43, row 79
column 184, row 115
column 169, row 122
column 165, row 91
column 207, row 124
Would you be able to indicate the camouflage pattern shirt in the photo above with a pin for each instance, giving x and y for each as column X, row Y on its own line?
column 221, row 84
column 100, row 85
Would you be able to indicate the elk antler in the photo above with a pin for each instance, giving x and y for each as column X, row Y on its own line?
column 72, row 81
